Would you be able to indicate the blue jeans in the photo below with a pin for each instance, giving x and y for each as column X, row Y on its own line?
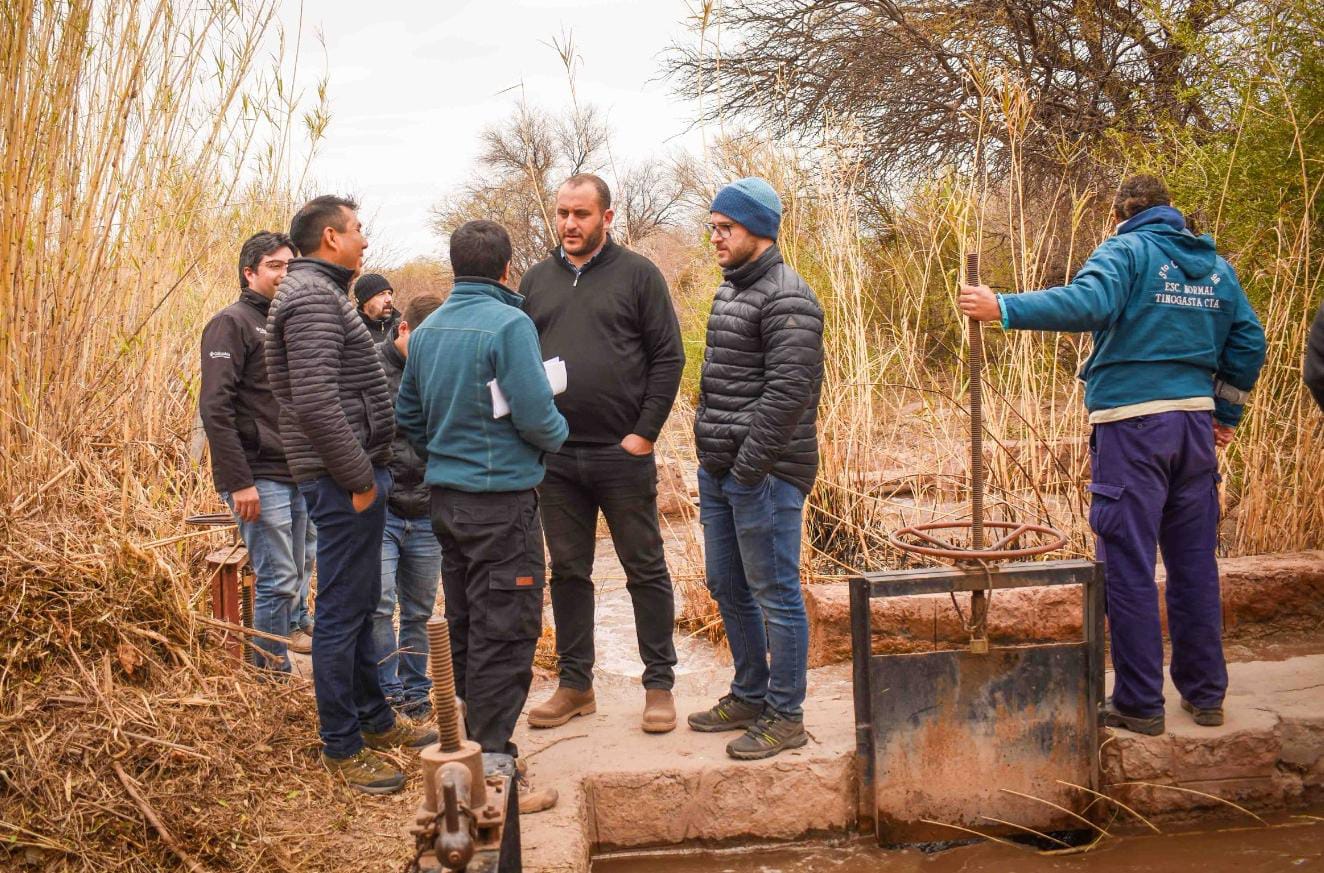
column 751, row 538
column 411, row 567
column 349, row 584
column 281, row 545
column 1154, row 486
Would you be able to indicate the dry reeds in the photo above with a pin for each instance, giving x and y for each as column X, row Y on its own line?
column 141, row 145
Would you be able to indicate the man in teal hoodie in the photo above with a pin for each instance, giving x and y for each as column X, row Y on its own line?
column 482, row 471
column 1177, row 349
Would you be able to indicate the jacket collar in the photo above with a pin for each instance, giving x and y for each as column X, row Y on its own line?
column 469, row 286
column 255, row 300
column 605, row 255
column 336, row 273
column 390, row 354
column 751, row 271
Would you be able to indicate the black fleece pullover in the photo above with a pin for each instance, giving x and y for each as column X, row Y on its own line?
column 613, row 324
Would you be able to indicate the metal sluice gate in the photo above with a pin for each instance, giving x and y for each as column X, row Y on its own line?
column 978, row 739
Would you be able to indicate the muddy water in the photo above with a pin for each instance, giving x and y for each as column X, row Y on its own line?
column 1289, row 844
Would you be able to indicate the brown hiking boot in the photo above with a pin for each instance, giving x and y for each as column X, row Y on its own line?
column 659, row 711
column 562, row 706
column 403, row 733
column 366, row 772
column 532, row 799
column 1211, row 717
column 301, row 642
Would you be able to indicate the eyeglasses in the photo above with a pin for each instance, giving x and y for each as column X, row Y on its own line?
column 720, row 231
column 275, row 265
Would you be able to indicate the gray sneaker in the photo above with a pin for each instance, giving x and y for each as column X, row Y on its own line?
column 770, row 734
column 730, row 714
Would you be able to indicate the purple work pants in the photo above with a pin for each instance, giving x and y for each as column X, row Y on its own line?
column 1155, row 486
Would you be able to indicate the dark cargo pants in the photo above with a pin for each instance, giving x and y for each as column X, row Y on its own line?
column 1155, row 486
column 492, row 575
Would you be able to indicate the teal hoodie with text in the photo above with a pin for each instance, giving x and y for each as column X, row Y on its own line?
column 444, row 407
column 1167, row 313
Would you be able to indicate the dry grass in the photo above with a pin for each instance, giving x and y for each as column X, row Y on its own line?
column 142, row 144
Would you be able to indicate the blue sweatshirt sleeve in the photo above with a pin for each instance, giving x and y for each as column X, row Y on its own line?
column 1091, row 302
column 1241, row 358
column 409, row 417
column 520, row 374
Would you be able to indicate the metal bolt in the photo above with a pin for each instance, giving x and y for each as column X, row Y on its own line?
column 443, row 684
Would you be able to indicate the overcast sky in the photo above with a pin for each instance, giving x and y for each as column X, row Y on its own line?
column 413, row 82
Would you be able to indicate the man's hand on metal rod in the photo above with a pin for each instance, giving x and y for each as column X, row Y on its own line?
column 979, row 302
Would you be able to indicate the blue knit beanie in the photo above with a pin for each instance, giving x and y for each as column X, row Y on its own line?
column 751, row 202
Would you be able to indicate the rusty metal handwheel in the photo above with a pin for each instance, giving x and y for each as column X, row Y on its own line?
column 1001, row 550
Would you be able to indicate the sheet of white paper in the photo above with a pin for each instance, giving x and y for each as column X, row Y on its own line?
column 556, row 376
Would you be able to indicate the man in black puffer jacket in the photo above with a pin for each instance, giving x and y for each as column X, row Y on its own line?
column 336, row 423
column 411, row 555
column 758, row 456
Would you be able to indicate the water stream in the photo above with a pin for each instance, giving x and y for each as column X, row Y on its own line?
column 1289, row 844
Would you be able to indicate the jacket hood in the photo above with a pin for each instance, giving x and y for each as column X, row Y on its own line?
column 1164, row 226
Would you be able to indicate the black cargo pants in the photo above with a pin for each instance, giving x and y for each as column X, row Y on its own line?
column 492, row 576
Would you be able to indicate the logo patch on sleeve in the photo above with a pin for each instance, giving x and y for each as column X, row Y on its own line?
column 524, row 581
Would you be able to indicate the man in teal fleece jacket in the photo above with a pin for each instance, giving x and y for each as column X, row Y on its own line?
column 482, row 472
column 1177, row 349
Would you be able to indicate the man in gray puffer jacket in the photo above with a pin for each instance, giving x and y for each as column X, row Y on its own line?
column 755, row 431
column 336, row 424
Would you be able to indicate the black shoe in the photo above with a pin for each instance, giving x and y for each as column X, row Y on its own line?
column 1149, row 725
column 1210, row 717
column 730, row 714
column 770, row 734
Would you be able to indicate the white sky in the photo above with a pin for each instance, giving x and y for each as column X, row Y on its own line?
column 412, row 83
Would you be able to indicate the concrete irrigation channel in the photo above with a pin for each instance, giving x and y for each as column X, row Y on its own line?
column 624, row 792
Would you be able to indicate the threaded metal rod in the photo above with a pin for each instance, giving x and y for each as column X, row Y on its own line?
column 975, row 363
column 443, row 684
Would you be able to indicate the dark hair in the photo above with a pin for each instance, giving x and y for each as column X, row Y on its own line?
column 1138, row 193
column 257, row 247
column 316, row 216
column 604, row 193
column 420, row 307
column 480, row 248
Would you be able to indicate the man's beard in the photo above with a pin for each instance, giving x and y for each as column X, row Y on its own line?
column 591, row 241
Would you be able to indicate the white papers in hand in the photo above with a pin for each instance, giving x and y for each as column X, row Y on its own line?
column 556, row 377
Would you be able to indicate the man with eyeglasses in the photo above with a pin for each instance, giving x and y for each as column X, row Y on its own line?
column 756, row 436
column 240, row 415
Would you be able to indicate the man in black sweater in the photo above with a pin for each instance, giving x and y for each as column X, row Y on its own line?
column 336, row 424
column 248, row 464
column 606, row 312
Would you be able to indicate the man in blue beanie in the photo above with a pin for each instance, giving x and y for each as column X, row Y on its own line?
column 758, row 456
column 1177, row 349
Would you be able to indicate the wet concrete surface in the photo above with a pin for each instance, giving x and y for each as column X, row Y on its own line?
column 1287, row 844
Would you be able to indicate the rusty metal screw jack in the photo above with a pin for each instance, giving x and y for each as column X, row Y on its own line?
column 443, row 684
